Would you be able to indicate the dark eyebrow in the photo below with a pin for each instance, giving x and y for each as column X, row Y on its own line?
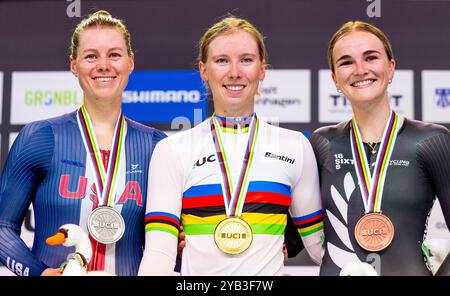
column 109, row 50
column 115, row 48
column 343, row 57
column 89, row 50
column 368, row 52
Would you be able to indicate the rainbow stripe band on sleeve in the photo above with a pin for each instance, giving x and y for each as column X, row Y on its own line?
column 309, row 224
column 161, row 221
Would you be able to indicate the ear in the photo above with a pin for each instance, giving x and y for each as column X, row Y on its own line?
column 131, row 57
column 392, row 65
column 73, row 66
column 262, row 72
column 202, row 70
column 333, row 76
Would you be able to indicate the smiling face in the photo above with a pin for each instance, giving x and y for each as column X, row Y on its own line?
column 362, row 69
column 233, row 70
column 102, row 64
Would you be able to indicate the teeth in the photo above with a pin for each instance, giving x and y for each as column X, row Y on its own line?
column 104, row 78
column 234, row 87
column 364, row 82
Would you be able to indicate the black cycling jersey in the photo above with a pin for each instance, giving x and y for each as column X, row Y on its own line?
column 419, row 170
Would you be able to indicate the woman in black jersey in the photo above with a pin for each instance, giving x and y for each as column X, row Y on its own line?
column 380, row 172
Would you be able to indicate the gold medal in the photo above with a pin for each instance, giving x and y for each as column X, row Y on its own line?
column 374, row 232
column 233, row 236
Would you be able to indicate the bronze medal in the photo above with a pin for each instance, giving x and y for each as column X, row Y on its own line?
column 233, row 236
column 374, row 232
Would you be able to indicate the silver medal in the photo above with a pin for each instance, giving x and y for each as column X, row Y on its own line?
column 106, row 225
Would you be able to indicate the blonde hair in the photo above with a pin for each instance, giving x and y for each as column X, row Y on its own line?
column 358, row 26
column 99, row 18
column 229, row 24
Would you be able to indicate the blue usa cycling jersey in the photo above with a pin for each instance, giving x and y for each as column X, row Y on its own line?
column 48, row 168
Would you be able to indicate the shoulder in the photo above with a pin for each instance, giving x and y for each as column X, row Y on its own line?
column 48, row 124
column 197, row 132
column 332, row 131
column 41, row 134
column 288, row 140
column 428, row 138
column 284, row 133
column 188, row 140
column 426, row 129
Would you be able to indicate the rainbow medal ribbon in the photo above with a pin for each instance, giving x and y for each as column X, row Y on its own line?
column 233, row 235
column 105, row 224
column 374, row 231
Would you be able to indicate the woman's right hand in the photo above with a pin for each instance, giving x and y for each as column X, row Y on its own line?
column 181, row 241
column 52, row 272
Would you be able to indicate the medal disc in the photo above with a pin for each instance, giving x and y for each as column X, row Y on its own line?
column 374, row 232
column 233, row 236
column 106, row 225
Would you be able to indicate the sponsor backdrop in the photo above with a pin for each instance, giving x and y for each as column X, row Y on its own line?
column 42, row 94
column 436, row 96
column 161, row 97
column 165, row 91
column 285, row 96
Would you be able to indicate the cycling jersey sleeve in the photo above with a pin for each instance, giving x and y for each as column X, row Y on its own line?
column 25, row 167
column 162, row 219
column 434, row 155
column 306, row 207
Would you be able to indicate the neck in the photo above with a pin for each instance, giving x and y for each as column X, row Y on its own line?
column 236, row 114
column 103, row 112
column 372, row 120
column 104, row 119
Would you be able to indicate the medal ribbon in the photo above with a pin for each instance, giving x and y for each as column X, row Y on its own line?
column 234, row 198
column 371, row 185
column 106, row 182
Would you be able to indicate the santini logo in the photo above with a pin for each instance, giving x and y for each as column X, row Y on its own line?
column 279, row 157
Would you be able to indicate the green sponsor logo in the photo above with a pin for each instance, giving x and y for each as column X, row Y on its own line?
column 51, row 98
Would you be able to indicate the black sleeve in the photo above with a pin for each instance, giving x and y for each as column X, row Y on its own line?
column 293, row 241
column 434, row 153
column 321, row 146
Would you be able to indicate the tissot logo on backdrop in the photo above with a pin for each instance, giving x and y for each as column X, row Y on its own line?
column 164, row 96
column 436, row 96
column 43, row 94
column 285, row 96
column 334, row 107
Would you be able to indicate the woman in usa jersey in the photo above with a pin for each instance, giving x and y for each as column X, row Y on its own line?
column 88, row 167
